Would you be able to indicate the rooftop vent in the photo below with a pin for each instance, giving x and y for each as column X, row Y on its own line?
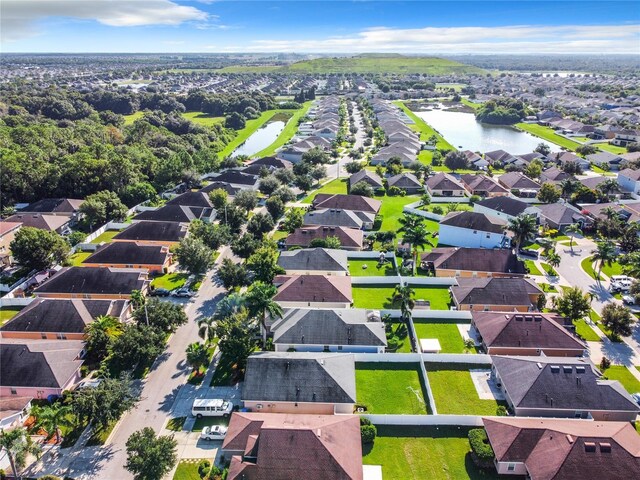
column 605, row 447
column 589, row 447
column 567, row 369
column 580, row 370
column 555, row 368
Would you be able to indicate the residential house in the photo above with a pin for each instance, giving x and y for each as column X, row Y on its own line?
column 561, row 215
column 506, row 208
column 284, row 446
column 39, row 368
column 192, row 199
column 272, row 162
column 627, row 212
column 629, row 180
column 565, row 158
column 356, row 203
column 444, row 185
column 333, row 217
column 14, row 411
column 407, row 182
column 154, row 258
column 540, row 386
column 177, row 214
column 350, row 238
column 474, row 230
column 555, row 175
column 68, row 207
column 366, row 176
column 231, row 190
column 507, row 333
column 625, row 138
column 51, row 223
column 482, row 186
column 100, row 283
column 499, row 158
column 49, row 319
column 474, row 160
column 300, row 382
column 472, row 262
column 236, row 177
column 314, row 261
column 496, row 294
column 547, row 449
column 519, row 184
column 609, row 161
column 313, row 291
column 8, row 232
column 156, row 233
column 351, row 330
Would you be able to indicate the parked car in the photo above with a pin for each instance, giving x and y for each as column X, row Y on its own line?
column 527, row 252
column 159, row 292
column 211, row 407
column 89, row 383
column 636, row 397
column 182, row 293
column 628, row 300
column 620, row 286
column 215, row 432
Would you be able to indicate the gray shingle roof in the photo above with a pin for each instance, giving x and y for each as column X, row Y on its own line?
column 324, row 259
column 494, row 291
column 94, row 280
column 129, row 253
column 474, row 221
column 507, row 205
column 300, row 377
column 153, row 232
column 475, row 260
column 332, row 217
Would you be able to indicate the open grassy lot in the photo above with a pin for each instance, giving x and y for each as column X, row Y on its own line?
column 77, row 258
column 202, row 118
column 129, row 119
column 624, row 376
column 390, row 388
column 391, row 211
column 585, row 331
column 614, row 269
column 169, row 280
column 187, row 470
column 369, row 268
column 423, row 453
column 615, row 149
column 470, row 103
column 339, row 185
column 447, row 334
column 287, row 134
column 105, row 237
column 424, row 128
column 548, row 134
column 7, row 313
column 380, row 296
column 454, row 392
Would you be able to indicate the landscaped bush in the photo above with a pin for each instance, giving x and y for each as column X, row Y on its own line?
column 396, row 192
column 501, row 411
column 368, row 433
column 480, row 445
column 437, row 210
column 377, row 223
column 604, row 364
column 203, row 468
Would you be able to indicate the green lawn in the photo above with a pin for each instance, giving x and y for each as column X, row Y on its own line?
column 446, row 332
column 470, row 103
column 584, row 330
column 77, row 258
column 339, row 185
column 614, row 269
column 369, row 268
column 279, row 235
column 176, row 424
column 169, row 280
column 424, row 128
column 106, row 236
column 546, row 288
column 289, row 131
column 549, row 270
column 532, row 268
column 423, row 453
column 7, row 313
column 380, row 296
column 203, row 119
column 250, row 127
column 390, row 388
column 607, row 147
column 400, row 330
column 100, row 436
column 187, row 470
column 624, row 376
column 391, row 211
column 587, row 266
column 454, row 392
column 548, row 134
column 129, row 119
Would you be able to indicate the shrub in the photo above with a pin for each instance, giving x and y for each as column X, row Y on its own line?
column 377, row 222
column 480, row 444
column 203, row 468
column 364, row 421
column 368, row 433
column 604, row 364
column 501, row 411
column 395, row 192
column 474, row 198
column 437, row 210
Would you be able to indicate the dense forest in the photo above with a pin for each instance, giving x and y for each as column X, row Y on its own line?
column 58, row 142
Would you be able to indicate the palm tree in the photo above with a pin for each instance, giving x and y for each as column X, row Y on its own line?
column 610, row 213
column 604, row 253
column 409, row 222
column 631, row 264
column 206, row 328
column 18, row 444
column 553, row 258
column 52, row 417
column 232, row 303
column 419, row 238
column 523, row 228
column 197, row 355
column 573, row 230
column 568, row 187
column 137, row 298
column 404, row 294
column 260, row 304
column 608, row 186
column 101, row 333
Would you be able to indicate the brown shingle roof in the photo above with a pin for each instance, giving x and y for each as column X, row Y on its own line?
column 475, row 260
column 494, row 291
column 357, row 203
column 349, row 237
column 313, row 288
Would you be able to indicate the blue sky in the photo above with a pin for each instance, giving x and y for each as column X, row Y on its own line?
column 320, row 27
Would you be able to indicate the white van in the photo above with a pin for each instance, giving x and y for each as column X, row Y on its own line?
column 211, row 408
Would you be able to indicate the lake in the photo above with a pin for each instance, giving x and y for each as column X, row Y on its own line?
column 260, row 139
column 462, row 131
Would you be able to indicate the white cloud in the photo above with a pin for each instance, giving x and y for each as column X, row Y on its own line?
column 509, row 39
column 20, row 17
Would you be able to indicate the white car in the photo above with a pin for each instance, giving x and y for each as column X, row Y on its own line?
column 628, row 300
column 216, row 432
column 620, row 286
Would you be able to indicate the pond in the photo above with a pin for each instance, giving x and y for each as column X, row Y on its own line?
column 260, row 139
column 463, row 131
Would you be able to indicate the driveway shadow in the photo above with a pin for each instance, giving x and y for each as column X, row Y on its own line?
column 167, row 403
column 619, row 353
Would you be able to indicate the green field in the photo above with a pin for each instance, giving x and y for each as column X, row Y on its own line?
column 532, row 268
column 424, row 128
column 548, row 134
column 470, row 103
column 369, row 268
column 390, row 388
column 169, row 281
column 391, row 211
column 339, row 185
column 454, row 392
column 607, row 147
column 624, row 376
column 380, row 297
column 423, row 453
column 584, row 330
column 203, row 119
column 447, row 334
column 129, row 119
column 446, row 86
column 287, row 134
column 106, row 236
column 614, row 269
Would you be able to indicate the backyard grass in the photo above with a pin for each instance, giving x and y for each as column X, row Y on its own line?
column 203, row 119
column 624, row 376
column 424, row 128
column 287, row 134
column 77, row 258
column 607, row 147
column 339, row 185
column 369, row 268
column 105, row 237
column 548, row 134
column 584, row 330
column 129, row 119
column 532, row 268
column 390, row 388
column 399, row 330
column 176, row 424
column 170, row 281
column 187, row 471
column 423, row 453
column 391, row 212
column 454, row 392
column 546, row 288
column 279, row 235
column 380, row 297
column 7, row 313
column 447, row 334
